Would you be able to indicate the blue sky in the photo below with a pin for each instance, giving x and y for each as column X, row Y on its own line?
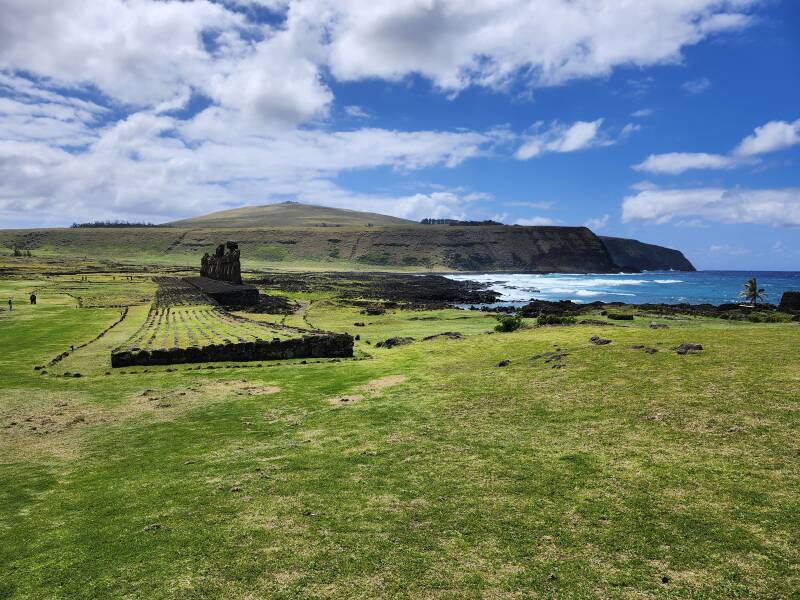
column 673, row 121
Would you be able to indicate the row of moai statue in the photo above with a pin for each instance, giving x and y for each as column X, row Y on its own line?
column 224, row 264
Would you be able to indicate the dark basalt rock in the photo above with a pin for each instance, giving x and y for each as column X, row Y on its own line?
column 504, row 363
column 394, row 341
column 790, row 302
column 686, row 347
column 450, row 335
column 598, row 341
column 310, row 346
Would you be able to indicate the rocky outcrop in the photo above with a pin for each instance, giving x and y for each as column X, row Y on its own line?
column 329, row 345
column 633, row 255
column 790, row 302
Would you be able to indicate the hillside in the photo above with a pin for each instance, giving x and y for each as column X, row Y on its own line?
column 301, row 236
column 636, row 255
column 290, row 214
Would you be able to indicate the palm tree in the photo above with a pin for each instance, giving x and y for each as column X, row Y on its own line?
column 752, row 292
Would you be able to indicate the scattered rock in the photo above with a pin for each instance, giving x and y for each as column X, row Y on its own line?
column 651, row 350
column 236, row 488
column 152, row 527
column 686, row 347
column 598, row 341
column 654, row 325
column 637, row 347
column 359, row 324
column 450, row 335
column 394, row 341
column 504, row 363
column 665, row 579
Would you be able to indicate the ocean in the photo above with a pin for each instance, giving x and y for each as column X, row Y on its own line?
column 670, row 287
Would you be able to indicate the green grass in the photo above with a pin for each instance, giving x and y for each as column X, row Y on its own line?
column 620, row 475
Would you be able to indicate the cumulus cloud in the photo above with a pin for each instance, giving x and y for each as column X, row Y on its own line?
column 641, row 113
column 158, row 165
column 775, row 135
column 771, row 137
column 123, row 108
column 456, row 44
column 561, row 138
column 758, row 206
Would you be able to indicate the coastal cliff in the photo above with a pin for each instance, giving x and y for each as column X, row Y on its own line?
column 633, row 255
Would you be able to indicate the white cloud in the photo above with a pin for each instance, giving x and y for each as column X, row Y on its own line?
column 537, row 221
column 696, row 86
column 266, row 134
column 629, row 130
column 597, row 223
column 775, row 135
column 485, row 42
column 561, row 138
column 764, row 206
column 357, row 112
column 142, row 164
column 641, row 113
column 674, row 163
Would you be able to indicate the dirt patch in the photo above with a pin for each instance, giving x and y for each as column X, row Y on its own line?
column 371, row 389
column 384, row 382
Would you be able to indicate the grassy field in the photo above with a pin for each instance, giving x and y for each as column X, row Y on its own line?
column 421, row 471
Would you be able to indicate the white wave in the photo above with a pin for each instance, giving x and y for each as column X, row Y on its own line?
column 667, row 281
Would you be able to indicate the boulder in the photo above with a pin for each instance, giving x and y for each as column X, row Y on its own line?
column 598, row 341
column 686, row 347
column 394, row 341
column 790, row 302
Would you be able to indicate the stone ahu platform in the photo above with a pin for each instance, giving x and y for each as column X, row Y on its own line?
column 327, row 345
column 227, row 294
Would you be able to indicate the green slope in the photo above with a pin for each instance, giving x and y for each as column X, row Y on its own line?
column 291, row 214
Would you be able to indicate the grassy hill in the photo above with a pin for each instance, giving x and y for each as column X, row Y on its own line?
column 302, row 236
column 290, row 214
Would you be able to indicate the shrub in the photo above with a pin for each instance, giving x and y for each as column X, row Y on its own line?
column 508, row 323
column 778, row 317
column 555, row 320
column 620, row 317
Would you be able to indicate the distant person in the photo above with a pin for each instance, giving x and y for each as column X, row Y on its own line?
column 10, row 305
column 33, row 298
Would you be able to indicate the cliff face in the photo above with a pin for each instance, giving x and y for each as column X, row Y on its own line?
column 420, row 247
column 636, row 255
column 486, row 248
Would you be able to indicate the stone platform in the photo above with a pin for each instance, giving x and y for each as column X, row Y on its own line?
column 227, row 294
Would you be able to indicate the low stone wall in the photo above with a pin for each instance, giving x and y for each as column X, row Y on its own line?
column 227, row 294
column 333, row 345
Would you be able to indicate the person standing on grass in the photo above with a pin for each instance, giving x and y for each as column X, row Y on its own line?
column 33, row 298
column 10, row 305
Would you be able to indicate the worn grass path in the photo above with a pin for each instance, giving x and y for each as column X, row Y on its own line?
column 620, row 475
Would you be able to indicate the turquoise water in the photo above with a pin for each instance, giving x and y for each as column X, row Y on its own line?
column 713, row 287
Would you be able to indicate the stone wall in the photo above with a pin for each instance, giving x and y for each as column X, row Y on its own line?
column 332, row 345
